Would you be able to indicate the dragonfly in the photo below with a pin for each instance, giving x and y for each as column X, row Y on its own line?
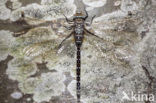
column 78, row 26
column 79, row 31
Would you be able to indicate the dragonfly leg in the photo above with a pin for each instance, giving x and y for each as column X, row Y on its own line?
column 90, row 33
column 86, row 14
column 69, row 21
column 69, row 27
column 60, row 45
column 89, row 24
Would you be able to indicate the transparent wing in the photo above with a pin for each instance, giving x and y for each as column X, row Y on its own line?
column 36, row 42
column 118, row 38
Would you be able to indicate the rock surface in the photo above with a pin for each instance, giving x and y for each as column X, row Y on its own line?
column 122, row 63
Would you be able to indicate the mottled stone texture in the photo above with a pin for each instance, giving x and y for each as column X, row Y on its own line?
column 34, row 70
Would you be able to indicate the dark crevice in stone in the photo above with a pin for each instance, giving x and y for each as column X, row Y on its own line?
column 21, row 27
column 79, row 4
column 27, row 2
column 42, row 68
column 150, row 84
column 9, row 4
column 69, row 78
column 27, row 98
column 143, row 33
column 7, row 86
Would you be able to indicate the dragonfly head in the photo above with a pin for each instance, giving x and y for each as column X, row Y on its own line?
column 78, row 15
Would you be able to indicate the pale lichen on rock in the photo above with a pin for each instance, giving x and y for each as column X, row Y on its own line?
column 19, row 69
column 16, row 95
column 48, row 10
column 52, row 85
column 44, row 87
column 13, row 4
column 4, row 11
column 95, row 3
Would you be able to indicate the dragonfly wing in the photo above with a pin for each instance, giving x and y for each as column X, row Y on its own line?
column 36, row 42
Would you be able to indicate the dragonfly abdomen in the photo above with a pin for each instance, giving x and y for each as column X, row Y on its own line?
column 78, row 73
column 78, row 36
